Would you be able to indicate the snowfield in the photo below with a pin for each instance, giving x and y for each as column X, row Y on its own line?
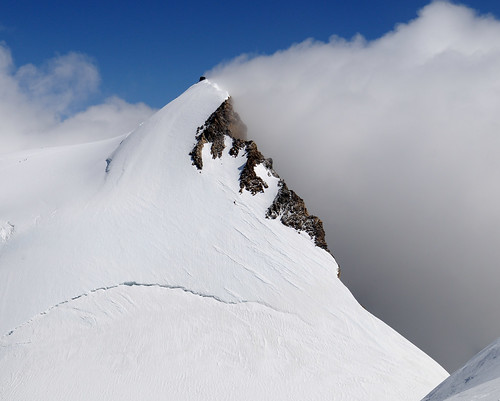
column 144, row 342
column 129, row 274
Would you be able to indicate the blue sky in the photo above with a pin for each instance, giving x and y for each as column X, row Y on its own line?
column 152, row 51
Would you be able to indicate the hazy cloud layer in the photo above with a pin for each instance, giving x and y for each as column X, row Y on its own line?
column 395, row 144
column 42, row 104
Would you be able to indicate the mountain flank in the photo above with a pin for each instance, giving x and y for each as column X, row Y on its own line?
column 160, row 279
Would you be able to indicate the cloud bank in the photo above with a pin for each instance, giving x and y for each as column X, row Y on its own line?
column 46, row 105
column 394, row 143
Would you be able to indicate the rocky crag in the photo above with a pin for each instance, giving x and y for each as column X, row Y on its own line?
column 292, row 211
column 287, row 205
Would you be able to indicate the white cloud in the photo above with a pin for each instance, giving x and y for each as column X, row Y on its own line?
column 394, row 143
column 61, row 82
column 111, row 118
column 42, row 105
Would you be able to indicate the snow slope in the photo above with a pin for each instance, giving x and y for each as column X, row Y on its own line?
column 201, row 296
column 479, row 379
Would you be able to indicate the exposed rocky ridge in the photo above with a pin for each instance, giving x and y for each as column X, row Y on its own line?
column 224, row 121
column 287, row 205
column 249, row 180
column 292, row 211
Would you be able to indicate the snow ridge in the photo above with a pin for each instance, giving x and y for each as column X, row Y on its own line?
column 478, row 379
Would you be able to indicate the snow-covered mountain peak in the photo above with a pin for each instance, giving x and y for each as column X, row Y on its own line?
column 165, row 138
column 180, row 247
column 168, row 133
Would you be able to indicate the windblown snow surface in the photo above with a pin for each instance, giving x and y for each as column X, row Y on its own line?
column 142, row 277
column 479, row 379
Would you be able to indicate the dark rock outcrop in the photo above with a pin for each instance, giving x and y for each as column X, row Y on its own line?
column 287, row 205
column 249, row 180
column 292, row 211
column 223, row 121
column 238, row 144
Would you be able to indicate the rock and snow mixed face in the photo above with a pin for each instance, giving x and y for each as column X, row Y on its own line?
column 133, row 273
column 287, row 205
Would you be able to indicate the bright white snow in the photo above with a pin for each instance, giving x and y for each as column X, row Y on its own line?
column 262, row 314
column 479, row 379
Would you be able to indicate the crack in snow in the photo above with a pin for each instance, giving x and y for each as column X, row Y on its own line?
column 166, row 286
